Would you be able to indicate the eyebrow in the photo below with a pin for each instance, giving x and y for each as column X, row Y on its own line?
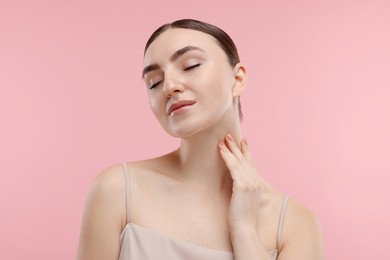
column 174, row 57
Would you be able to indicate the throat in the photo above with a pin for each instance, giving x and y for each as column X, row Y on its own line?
column 204, row 168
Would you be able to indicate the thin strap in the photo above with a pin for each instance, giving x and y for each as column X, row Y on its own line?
column 281, row 221
column 126, row 173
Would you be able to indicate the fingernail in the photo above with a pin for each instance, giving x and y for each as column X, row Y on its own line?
column 245, row 141
column 229, row 136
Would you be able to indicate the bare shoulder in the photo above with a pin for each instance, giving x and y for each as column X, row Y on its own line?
column 108, row 188
column 300, row 219
column 109, row 185
column 301, row 213
column 103, row 216
column 302, row 236
column 109, row 179
column 107, row 194
column 110, row 182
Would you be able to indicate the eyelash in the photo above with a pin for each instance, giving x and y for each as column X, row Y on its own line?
column 186, row 69
column 192, row 67
column 155, row 85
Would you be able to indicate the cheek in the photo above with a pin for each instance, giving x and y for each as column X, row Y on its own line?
column 154, row 104
column 216, row 97
column 220, row 87
column 157, row 106
column 220, row 79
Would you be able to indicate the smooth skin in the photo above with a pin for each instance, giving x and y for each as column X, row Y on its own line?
column 207, row 192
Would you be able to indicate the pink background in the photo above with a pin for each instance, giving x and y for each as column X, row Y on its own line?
column 316, row 110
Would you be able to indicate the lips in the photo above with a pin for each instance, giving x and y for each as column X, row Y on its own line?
column 180, row 104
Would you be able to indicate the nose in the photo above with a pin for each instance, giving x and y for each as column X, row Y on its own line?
column 171, row 85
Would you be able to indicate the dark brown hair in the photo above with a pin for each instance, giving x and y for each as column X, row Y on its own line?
column 223, row 39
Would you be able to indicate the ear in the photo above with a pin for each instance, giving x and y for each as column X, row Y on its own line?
column 239, row 79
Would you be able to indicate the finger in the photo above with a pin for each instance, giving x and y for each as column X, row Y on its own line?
column 233, row 147
column 229, row 158
column 245, row 149
column 248, row 156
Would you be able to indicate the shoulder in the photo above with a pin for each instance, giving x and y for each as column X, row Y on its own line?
column 302, row 236
column 104, row 214
column 300, row 218
column 107, row 192
column 108, row 179
column 109, row 184
column 112, row 179
column 103, row 218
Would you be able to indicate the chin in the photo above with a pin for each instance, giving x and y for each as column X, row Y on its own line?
column 182, row 133
column 185, row 128
column 190, row 126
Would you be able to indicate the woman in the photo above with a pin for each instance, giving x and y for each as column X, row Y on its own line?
column 204, row 200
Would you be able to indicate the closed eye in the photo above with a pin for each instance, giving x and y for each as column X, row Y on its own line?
column 155, row 84
column 192, row 67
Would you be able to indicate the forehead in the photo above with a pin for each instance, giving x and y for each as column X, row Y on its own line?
column 176, row 38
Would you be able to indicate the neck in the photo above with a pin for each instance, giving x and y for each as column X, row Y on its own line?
column 201, row 164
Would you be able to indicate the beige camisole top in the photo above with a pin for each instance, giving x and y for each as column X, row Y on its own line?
column 139, row 243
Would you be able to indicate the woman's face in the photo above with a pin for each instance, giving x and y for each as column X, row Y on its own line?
column 190, row 82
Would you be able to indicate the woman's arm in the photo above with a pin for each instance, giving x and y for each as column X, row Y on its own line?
column 301, row 237
column 103, row 217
